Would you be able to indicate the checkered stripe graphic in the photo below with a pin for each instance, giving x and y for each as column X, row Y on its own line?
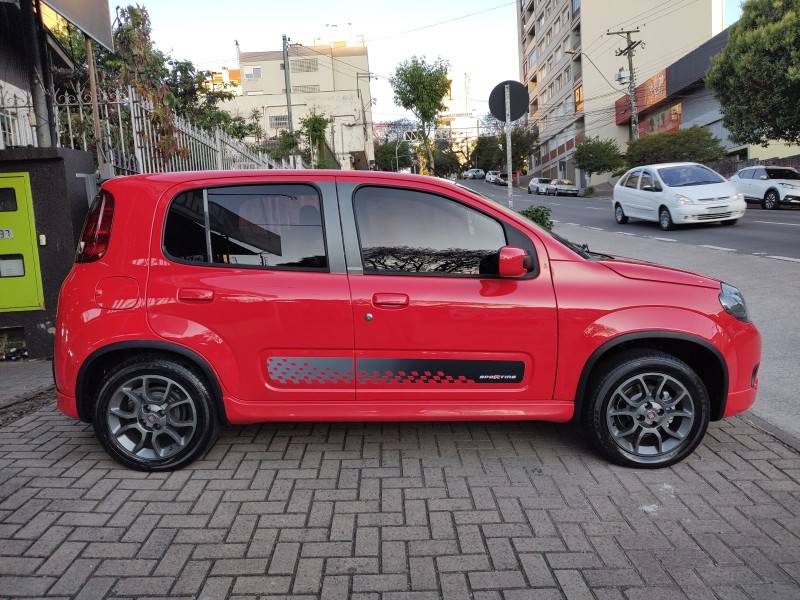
column 400, row 371
column 310, row 370
column 390, row 377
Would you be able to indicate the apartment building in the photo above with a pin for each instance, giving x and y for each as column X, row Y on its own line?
column 569, row 63
column 331, row 79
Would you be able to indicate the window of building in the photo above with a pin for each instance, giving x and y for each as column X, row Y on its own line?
column 532, row 59
column 405, row 231
column 263, row 226
column 576, row 6
column 305, row 89
column 304, row 65
column 279, row 121
column 251, row 73
column 579, row 98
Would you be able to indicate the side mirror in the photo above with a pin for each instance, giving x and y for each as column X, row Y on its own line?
column 648, row 188
column 514, row 262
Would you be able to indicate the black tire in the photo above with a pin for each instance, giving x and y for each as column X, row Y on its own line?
column 771, row 201
column 619, row 214
column 650, row 364
column 729, row 222
column 665, row 219
column 529, row 191
column 188, row 383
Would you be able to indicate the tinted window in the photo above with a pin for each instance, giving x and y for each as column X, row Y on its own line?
column 405, row 231
column 633, row 180
column 8, row 200
column 256, row 226
column 686, row 175
column 746, row 174
column 647, row 179
column 783, row 174
column 760, row 174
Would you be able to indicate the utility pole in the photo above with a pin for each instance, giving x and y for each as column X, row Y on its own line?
column 36, row 78
column 628, row 51
column 288, row 83
column 508, row 148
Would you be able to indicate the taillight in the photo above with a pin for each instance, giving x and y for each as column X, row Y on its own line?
column 97, row 229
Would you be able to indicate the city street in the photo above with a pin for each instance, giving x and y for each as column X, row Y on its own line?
column 768, row 278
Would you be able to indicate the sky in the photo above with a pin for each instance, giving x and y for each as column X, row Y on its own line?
column 483, row 45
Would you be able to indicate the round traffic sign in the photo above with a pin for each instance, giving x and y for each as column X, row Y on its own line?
column 519, row 100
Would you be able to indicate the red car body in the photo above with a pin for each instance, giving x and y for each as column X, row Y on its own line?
column 292, row 345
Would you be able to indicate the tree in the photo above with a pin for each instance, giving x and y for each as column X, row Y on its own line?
column 522, row 142
column 594, row 155
column 486, row 153
column 385, row 155
column 314, row 126
column 447, row 162
column 420, row 87
column 284, row 145
column 756, row 77
column 695, row 144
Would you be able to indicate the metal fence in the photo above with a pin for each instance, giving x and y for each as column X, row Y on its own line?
column 130, row 139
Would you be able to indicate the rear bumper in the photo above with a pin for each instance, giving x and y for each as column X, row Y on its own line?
column 67, row 404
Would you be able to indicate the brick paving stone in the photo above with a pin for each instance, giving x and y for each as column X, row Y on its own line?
column 398, row 511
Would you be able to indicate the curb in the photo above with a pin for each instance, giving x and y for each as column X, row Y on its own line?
column 788, row 439
column 27, row 396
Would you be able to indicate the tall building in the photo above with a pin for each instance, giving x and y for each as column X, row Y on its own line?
column 331, row 79
column 569, row 62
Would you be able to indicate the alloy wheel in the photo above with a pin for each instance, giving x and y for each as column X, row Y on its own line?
column 771, row 201
column 151, row 417
column 650, row 415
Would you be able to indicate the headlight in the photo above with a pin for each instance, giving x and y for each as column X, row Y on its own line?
column 739, row 197
column 732, row 301
column 791, row 186
column 681, row 199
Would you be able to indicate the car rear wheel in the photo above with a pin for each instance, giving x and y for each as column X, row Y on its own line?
column 650, row 410
column 771, row 200
column 154, row 414
column 619, row 215
column 529, row 191
column 665, row 219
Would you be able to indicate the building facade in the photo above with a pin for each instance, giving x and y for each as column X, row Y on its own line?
column 331, row 79
column 568, row 63
column 676, row 97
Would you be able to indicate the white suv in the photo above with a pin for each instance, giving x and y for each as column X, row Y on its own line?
column 771, row 186
column 676, row 194
column 538, row 185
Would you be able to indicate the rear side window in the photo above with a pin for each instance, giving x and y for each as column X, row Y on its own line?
column 746, row 174
column 262, row 226
column 411, row 232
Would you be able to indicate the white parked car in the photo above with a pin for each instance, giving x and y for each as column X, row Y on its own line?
column 561, row 187
column 538, row 185
column 491, row 176
column 474, row 174
column 771, row 186
column 676, row 194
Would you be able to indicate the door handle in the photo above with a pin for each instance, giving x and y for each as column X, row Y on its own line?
column 195, row 295
column 389, row 300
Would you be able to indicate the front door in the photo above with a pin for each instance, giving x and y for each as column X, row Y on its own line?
column 20, row 277
column 434, row 325
column 254, row 280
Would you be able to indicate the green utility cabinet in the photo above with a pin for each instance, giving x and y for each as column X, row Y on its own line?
column 20, row 275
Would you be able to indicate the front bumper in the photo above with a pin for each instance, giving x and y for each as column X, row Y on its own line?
column 791, row 199
column 696, row 213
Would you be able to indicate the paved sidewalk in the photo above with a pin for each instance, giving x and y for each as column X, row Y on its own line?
column 490, row 511
column 23, row 379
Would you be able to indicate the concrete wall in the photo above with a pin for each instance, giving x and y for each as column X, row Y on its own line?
column 60, row 204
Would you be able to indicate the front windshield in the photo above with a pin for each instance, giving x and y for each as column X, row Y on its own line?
column 686, row 175
column 783, row 174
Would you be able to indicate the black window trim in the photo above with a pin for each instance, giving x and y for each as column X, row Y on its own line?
column 209, row 264
column 509, row 231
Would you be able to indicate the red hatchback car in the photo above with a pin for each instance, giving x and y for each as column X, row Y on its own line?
column 199, row 299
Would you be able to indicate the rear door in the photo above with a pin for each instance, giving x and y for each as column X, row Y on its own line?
column 629, row 194
column 20, row 277
column 253, row 278
column 434, row 326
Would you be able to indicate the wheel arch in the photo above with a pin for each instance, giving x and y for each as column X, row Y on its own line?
column 99, row 361
column 697, row 352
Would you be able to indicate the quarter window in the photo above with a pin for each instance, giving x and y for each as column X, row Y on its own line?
column 406, row 231
column 264, row 226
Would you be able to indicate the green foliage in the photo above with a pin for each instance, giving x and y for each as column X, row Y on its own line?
column 314, row 127
column 756, row 77
column 285, row 145
column 695, row 144
column 522, row 142
column 420, row 86
column 539, row 215
column 385, row 155
column 588, row 191
column 486, row 153
column 594, row 155
column 446, row 162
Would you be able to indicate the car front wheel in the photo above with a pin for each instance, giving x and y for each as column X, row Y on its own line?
column 619, row 215
column 771, row 200
column 665, row 219
column 154, row 414
column 649, row 410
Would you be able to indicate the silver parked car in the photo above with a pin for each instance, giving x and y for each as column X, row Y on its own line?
column 538, row 185
column 561, row 187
